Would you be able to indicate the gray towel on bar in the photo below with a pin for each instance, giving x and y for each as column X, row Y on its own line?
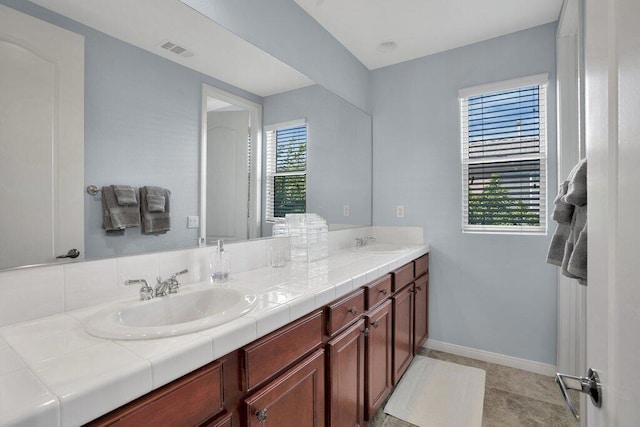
column 578, row 224
column 155, row 222
column 577, row 189
column 116, row 218
column 562, row 211
column 125, row 194
column 578, row 261
column 558, row 243
column 155, row 199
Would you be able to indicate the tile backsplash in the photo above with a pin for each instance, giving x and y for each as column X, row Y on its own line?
column 34, row 292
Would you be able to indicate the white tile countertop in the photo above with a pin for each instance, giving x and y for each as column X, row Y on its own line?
column 53, row 373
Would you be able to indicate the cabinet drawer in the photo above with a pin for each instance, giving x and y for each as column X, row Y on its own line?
column 275, row 352
column 187, row 401
column 345, row 311
column 422, row 265
column 378, row 291
column 402, row 276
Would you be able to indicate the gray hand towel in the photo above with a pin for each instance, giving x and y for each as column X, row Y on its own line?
column 155, row 199
column 558, row 243
column 155, row 222
column 577, row 226
column 125, row 194
column 577, row 189
column 115, row 217
column 562, row 211
column 578, row 261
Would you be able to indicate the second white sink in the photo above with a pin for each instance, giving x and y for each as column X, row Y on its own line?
column 380, row 248
column 189, row 311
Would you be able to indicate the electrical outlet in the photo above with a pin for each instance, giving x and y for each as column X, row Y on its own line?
column 400, row 211
column 346, row 210
column 193, row 221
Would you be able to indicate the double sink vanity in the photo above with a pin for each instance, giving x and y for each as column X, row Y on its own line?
column 315, row 344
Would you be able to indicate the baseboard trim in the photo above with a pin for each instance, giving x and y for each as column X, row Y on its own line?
column 497, row 358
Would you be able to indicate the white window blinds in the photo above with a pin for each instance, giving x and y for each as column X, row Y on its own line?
column 503, row 130
column 286, row 169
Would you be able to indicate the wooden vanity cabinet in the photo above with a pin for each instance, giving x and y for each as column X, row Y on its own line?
column 421, row 322
column 379, row 342
column 187, row 401
column 345, row 379
column 403, row 348
column 295, row 398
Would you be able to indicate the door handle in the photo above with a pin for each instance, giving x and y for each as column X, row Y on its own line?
column 73, row 253
column 589, row 385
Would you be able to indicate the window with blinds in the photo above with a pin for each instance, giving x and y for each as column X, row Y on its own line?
column 504, row 156
column 286, row 169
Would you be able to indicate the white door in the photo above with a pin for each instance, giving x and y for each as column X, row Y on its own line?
column 227, row 175
column 41, row 140
column 612, row 131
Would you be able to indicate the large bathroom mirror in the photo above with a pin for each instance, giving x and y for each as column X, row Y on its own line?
column 143, row 119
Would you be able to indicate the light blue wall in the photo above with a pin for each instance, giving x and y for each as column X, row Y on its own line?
column 284, row 30
column 489, row 292
column 142, row 127
column 339, row 152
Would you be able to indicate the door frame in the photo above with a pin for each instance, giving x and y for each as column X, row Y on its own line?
column 255, row 114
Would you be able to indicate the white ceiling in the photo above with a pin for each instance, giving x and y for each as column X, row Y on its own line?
column 423, row 27
column 217, row 52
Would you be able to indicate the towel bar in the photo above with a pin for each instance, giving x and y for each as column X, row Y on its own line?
column 93, row 190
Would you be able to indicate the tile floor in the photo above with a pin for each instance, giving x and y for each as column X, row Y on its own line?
column 506, row 402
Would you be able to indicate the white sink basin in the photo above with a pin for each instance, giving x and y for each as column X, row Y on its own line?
column 380, row 248
column 177, row 314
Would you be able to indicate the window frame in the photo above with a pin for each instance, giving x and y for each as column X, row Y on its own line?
column 270, row 169
column 542, row 81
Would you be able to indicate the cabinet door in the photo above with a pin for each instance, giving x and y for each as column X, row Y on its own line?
column 402, row 331
column 378, row 369
column 422, row 311
column 295, row 398
column 346, row 377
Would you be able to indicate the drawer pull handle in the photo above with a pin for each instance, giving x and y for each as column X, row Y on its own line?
column 384, row 291
column 353, row 310
column 375, row 324
column 262, row 415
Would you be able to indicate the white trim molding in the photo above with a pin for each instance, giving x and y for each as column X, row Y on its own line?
column 497, row 358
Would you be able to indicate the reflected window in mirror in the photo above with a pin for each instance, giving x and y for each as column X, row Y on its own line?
column 286, row 169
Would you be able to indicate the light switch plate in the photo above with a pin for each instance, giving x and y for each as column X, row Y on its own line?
column 193, row 221
column 346, row 210
column 400, row 211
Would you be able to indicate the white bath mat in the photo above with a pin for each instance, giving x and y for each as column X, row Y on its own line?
column 434, row 393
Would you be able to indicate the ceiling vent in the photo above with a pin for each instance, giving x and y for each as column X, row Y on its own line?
column 177, row 49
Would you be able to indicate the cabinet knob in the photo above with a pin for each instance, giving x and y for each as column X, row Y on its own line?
column 383, row 291
column 353, row 310
column 375, row 324
column 366, row 332
column 262, row 415
column 419, row 287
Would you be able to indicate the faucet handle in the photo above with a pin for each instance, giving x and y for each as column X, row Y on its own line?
column 146, row 291
column 186, row 270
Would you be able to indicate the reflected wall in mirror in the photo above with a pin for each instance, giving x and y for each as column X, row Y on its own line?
column 143, row 123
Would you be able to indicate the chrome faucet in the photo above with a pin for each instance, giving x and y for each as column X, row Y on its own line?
column 146, row 291
column 364, row 241
column 169, row 286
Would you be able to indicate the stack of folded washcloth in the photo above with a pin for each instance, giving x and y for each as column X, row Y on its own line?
column 120, row 208
column 568, row 247
column 155, row 210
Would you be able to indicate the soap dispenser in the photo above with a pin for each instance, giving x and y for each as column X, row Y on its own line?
column 220, row 264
